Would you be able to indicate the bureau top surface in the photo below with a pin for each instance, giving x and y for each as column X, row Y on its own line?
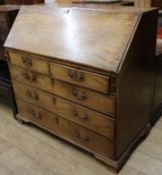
column 96, row 38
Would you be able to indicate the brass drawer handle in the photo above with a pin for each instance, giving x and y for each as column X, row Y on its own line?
column 27, row 61
column 74, row 92
column 36, row 115
column 33, row 96
column 82, row 117
column 32, row 78
column 82, row 138
column 86, row 138
column 75, row 112
column 57, row 120
column 76, row 76
column 80, row 97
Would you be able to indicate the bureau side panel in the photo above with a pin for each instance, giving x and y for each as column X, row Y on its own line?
column 136, row 84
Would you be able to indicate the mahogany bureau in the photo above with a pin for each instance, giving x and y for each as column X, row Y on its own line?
column 85, row 75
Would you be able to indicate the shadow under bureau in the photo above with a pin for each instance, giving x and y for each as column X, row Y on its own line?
column 85, row 75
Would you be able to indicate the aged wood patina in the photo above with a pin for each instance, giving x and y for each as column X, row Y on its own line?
column 86, row 75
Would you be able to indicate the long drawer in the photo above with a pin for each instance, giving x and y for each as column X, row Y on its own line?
column 66, row 129
column 30, row 62
column 95, row 121
column 83, row 96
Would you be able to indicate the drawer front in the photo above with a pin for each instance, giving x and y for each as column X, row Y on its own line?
column 83, row 96
column 66, row 129
column 28, row 77
column 80, row 115
column 80, row 77
column 29, row 62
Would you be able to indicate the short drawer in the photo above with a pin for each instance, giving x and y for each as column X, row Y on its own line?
column 95, row 121
column 27, row 61
column 84, row 78
column 66, row 129
column 82, row 96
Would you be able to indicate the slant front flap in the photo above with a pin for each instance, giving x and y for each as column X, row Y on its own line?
column 90, row 37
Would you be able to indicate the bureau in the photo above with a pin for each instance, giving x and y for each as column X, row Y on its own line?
column 85, row 75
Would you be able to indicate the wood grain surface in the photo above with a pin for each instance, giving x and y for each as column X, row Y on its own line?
column 74, row 35
column 110, row 43
column 81, row 77
column 64, row 128
column 70, row 74
column 87, row 118
column 88, row 98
